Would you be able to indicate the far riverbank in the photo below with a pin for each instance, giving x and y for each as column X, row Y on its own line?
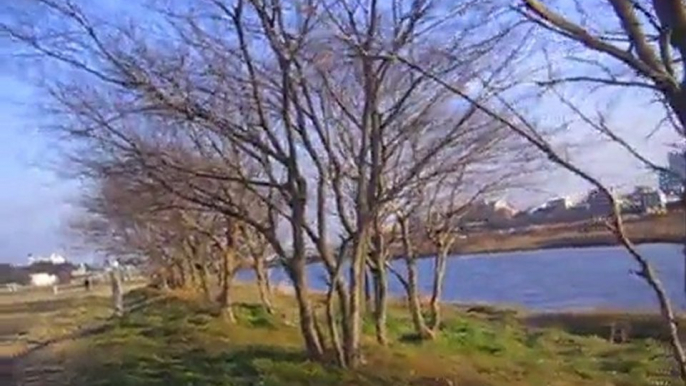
column 668, row 228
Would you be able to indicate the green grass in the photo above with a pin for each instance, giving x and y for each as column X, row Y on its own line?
column 177, row 340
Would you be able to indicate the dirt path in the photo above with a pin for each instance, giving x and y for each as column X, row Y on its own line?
column 10, row 352
column 25, row 362
column 36, row 364
column 38, row 374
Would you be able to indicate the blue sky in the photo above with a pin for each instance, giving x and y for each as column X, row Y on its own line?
column 34, row 202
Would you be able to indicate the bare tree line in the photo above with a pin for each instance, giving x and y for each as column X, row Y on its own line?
column 222, row 132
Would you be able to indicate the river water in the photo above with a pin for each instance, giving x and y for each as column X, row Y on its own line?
column 546, row 280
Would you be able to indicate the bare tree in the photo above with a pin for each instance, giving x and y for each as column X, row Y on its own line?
column 386, row 115
column 293, row 104
column 429, row 219
column 450, row 201
column 639, row 45
column 143, row 97
column 622, row 45
column 257, row 249
column 518, row 123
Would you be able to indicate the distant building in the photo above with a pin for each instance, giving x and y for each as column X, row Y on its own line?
column 598, row 203
column 53, row 259
column 631, row 204
column 558, row 210
column 677, row 163
column 672, row 182
column 503, row 208
column 558, row 204
column 484, row 215
column 80, row 271
column 43, row 279
column 54, row 265
column 649, row 200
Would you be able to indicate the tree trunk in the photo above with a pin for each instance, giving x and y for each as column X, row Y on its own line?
column 226, row 281
column 268, row 282
column 343, row 298
column 413, row 302
column 204, row 284
column 167, row 278
column 117, row 292
column 420, row 327
column 368, row 301
column 333, row 267
column 227, row 270
column 182, row 275
column 296, row 270
column 318, row 330
column 337, row 286
column 381, row 304
column 312, row 344
column 439, row 275
column 332, row 324
column 380, row 276
column 352, row 325
column 192, row 274
column 263, row 286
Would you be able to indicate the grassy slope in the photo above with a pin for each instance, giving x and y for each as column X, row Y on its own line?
column 178, row 341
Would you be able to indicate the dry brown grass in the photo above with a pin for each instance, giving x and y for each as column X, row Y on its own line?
column 32, row 317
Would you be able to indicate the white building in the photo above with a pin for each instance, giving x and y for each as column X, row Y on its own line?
column 54, row 258
column 503, row 206
column 80, row 271
column 43, row 279
column 559, row 203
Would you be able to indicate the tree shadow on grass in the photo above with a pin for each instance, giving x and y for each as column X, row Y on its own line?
column 252, row 365
column 255, row 315
column 245, row 366
column 411, row 338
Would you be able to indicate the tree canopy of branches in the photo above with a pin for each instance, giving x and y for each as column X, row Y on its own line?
column 216, row 133
column 205, row 112
column 628, row 45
